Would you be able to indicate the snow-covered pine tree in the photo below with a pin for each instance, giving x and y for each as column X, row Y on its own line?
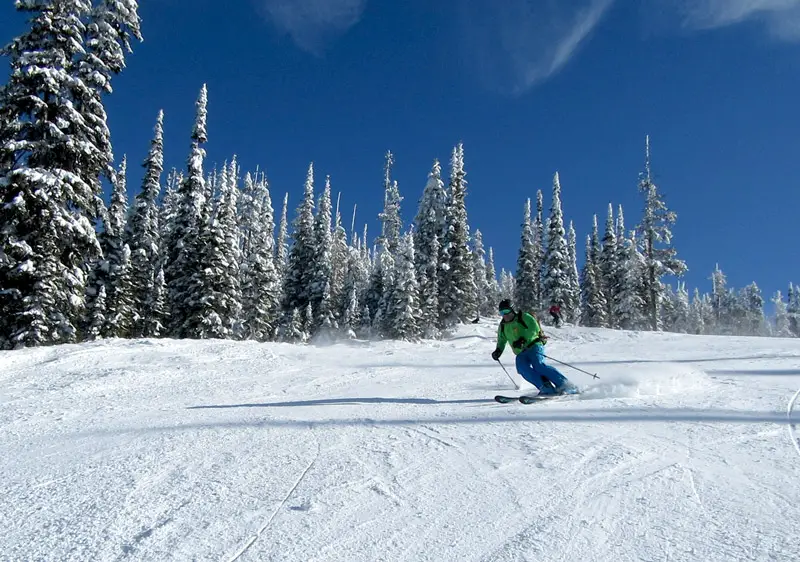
column 156, row 307
column 485, row 305
column 609, row 268
column 320, row 295
column 681, row 314
column 656, row 235
column 340, row 253
column 168, row 211
column 258, row 276
column 144, row 236
column 525, row 297
column 96, row 315
column 572, row 312
column 793, row 309
column 115, row 269
column 428, row 236
column 216, row 295
column 391, row 222
column 593, row 303
column 457, row 299
column 755, row 323
column 282, row 248
column 354, row 280
column 721, row 302
column 556, row 265
column 696, row 321
column 384, row 319
column 299, row 270
column 507, row 285
column 111, row 26
column 405, row 297
column 182, row 262
column 51, row 159
column 781, row 329
column 629, row 308
column 493, row 286
column 539, row 242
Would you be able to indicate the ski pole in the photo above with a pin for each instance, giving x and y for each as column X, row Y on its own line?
column 509, row 376
column 573, row 366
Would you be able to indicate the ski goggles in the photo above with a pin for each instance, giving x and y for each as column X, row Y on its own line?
column 504, row 311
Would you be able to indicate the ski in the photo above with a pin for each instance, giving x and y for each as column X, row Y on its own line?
column 531, row 398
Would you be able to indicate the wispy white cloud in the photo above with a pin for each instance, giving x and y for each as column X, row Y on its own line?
column 313, row 23
column 781, row 17
column 516, row 44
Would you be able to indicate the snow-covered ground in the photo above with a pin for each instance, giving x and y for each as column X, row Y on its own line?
column 215, row 450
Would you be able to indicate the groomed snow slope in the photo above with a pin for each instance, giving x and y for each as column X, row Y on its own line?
column 214, row 450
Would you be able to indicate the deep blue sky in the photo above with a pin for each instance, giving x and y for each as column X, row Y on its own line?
column 530, row 89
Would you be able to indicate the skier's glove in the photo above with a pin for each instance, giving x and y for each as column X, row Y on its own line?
column 496, row 354
column 520, row 342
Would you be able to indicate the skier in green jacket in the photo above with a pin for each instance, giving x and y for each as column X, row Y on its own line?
column 527, row 342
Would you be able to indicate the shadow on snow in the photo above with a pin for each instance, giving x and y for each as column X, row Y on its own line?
column 333, row 401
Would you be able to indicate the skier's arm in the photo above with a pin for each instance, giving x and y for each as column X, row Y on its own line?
column 501, row 343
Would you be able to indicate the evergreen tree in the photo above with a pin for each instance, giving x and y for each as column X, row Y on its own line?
column 300, row 263
column 183, row 263
column 720, row 301
column 526, row 295
column 51, row 158
column 144, row 236
column 485, row 306
column 168, row 213
column 593, row 305
column 320, row 294
column 111, row 26
column 493, row 286
column 629, row 309
column 355, row 276
column 215, row 299
column 116, row 267
column 96, row 313
column 405, row 297
column 507, row 285
column 608, row 268
column 339, row 262
column 458, row 300
column 382, row 323
column 391, row 222
column 572, row 307
column 781, row 317
column 681, row 320
column 753, row 303
column 556, row 261
column 259, row 278
column 696, row 317
column 156, row 307
column 428, row 236
column 656, row 233
column 539, row 242
column 793, row 309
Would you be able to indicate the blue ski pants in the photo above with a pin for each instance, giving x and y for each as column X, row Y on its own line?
column 531, row 365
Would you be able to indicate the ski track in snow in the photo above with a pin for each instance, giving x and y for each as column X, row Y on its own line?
column 792, row 424
column 387, row 451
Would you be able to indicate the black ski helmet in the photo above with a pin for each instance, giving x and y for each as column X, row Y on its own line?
column 505, row 304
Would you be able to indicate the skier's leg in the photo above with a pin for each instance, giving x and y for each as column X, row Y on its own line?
column 546, row 371
column 526, row 370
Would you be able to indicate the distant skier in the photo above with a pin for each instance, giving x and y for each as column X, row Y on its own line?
column 527, row 343
column 555, row 312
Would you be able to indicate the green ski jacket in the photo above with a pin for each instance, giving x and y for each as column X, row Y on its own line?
column 523, row 326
